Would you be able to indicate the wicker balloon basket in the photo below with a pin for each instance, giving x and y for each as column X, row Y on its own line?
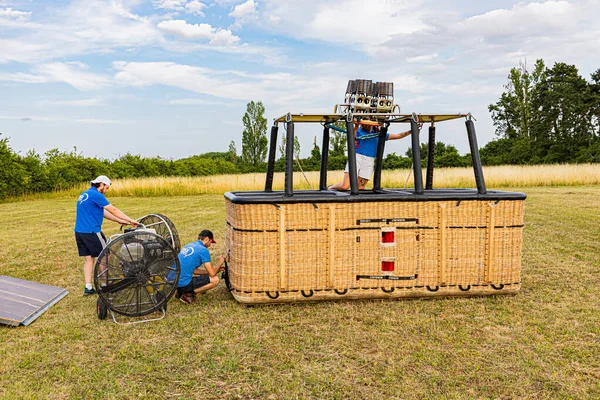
column 293, row 246
column 296, row 252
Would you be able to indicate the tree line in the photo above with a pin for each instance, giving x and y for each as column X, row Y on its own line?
column 547, row 115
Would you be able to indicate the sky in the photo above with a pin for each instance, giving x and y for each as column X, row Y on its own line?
column 172, row 78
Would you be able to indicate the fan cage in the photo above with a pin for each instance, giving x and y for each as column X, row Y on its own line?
column 131, row 275
column 164, row 227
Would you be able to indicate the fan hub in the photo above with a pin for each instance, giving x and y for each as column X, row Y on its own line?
column 143, row 277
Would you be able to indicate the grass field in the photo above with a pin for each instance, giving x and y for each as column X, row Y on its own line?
column 542, row 343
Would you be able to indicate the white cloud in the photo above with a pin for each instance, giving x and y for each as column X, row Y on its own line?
column 201, row 102
column 345, row 21
column 14, row 14
column 177, row 5
column 195, row 7
column 99, row 121
column 90, row 27
column 543, row 18
column 74, row 74
column 224, row 37
column 100, row 27
column 280, row 91
column 274, row 19
column 244, row 10
column 94, row 101
column 22, row 77
column 24, row 51
column 189, row 6
column 421, row 59
column 181, row 28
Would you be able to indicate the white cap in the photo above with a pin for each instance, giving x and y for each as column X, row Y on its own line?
column 102, row 179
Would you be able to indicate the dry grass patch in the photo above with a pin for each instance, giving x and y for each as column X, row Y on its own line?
column 542, row 343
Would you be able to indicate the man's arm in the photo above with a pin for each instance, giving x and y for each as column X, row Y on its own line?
column 394, row 136
column 119, row 214
column 210, row 270
column 111, row 217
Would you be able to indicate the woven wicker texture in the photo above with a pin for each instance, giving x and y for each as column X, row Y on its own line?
column 314, row 251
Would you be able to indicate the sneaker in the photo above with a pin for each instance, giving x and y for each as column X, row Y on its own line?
column 187, row 298
column 178, row 294
column 88, row 292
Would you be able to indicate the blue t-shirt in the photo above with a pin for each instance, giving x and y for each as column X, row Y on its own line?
column 367, row 147
column 191, row 257
column 90, row 211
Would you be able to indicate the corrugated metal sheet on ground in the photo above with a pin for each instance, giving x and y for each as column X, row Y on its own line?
column 21, row 301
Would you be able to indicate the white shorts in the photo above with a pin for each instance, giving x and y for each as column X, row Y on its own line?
column 364, row 166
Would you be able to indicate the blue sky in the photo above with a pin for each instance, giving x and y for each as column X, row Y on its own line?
column 172, row 77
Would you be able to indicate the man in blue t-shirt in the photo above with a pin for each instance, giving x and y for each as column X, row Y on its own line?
column 366, row 151
column 92, row 208
column 197, row 272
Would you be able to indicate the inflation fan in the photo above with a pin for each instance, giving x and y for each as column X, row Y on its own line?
column 130, row 275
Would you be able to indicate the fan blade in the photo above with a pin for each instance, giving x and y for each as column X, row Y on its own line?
column 115, row 287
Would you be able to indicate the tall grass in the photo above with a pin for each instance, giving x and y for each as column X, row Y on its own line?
column 495, row 177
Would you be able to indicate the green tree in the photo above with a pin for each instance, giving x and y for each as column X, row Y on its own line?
column 254, row 136
column 37, row 172
column 296, row 147
column 445, row 156
column 513, row 112
column 562, row 123
column 337, row 140
column 13, row 175
column 595, row 102
column 233, row 156
column 315, row 153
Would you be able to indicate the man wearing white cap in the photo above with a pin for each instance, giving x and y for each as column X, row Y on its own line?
column 92, row 208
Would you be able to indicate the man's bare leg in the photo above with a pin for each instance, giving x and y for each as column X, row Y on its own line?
column 214, row 281
column 88, row 269
column 344, row 185
column 362, row 182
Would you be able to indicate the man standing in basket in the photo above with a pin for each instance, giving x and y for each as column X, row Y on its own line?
column 92, row 208
column 366, row 150
column 197, row 272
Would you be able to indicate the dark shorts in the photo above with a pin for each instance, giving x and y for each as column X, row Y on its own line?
column 90, row 244
column 196, row 282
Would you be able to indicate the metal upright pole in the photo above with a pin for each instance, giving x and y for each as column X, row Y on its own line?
column 289, row 159
column 477, row 168
column 430, row 158
column 351, row 156
column 379, row 159
column 324, row 159
column 271, row 159
column 416, row 153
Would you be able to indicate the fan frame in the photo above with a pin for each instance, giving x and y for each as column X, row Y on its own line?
column 106, row 252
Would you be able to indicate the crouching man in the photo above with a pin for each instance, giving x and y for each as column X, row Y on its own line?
column 197, row 272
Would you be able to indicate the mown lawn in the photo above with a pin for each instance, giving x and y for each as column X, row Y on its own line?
column 541, row 343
